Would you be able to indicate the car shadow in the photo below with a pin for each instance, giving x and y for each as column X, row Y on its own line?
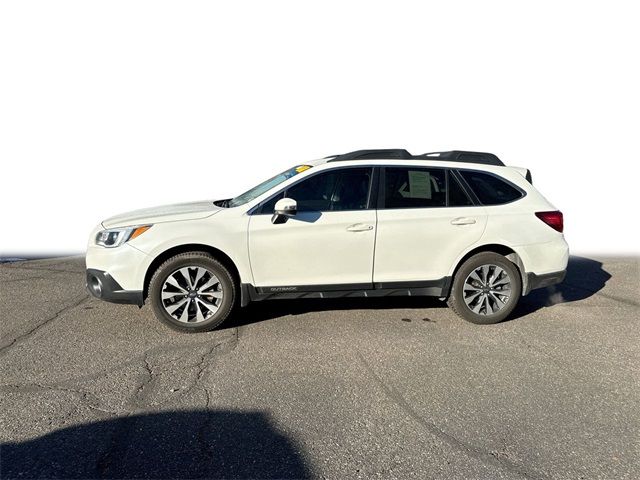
column 175, row 444
column 584, row 278
column 271, row 309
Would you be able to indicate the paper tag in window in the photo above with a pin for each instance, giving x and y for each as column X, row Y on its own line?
column 419, row 184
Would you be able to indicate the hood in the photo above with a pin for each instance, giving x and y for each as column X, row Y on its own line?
column 165, row 213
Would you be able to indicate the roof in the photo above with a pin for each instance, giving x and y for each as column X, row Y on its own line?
column 401, row 154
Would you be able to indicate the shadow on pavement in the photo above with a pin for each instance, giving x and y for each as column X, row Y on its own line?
column 176, row 444
column 584, row 278
column 270, row 309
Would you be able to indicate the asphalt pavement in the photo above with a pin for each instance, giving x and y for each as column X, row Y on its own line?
column 351, row 388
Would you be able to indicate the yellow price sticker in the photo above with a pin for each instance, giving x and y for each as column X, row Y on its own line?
column 302, row 168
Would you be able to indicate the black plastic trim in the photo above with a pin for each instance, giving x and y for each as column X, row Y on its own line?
column 245, row 294
column 431, row 288
column 545, row 280
column 528, row 177
column 441, row 283
column 381, row 187
column 374, row 189
column 111, row 290
column 315, row 288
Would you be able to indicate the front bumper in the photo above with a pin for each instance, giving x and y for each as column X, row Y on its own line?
column 103, row 286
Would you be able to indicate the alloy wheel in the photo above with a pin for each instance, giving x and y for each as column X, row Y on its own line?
column 191, row 294
column 487, row 289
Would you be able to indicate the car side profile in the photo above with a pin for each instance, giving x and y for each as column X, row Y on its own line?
column 456, row 225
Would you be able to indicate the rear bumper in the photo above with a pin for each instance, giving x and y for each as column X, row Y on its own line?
column 103, row 286
column 545, row 280
column 545, row 264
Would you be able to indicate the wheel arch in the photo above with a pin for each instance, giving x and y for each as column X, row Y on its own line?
column 507, row 252
column 218, row 254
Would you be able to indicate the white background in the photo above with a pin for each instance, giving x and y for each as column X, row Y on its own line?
column 113, row 106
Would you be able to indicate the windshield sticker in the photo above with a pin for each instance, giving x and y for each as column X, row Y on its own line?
column 302, row 168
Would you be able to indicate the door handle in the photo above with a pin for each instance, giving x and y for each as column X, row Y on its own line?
column 463, row 221
column 359, row 227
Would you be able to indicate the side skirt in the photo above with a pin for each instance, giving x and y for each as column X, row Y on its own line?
column 430, row 288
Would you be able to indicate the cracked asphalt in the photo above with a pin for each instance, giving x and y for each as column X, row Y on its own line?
column 357, row 388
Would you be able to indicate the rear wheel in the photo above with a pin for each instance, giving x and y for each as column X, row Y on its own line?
column 485, row 289
column 192, row 292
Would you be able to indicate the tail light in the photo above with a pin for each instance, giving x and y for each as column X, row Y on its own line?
column 553, row 219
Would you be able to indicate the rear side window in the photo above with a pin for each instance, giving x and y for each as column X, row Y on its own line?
column 457, row 196
column 407, row 187
column 490, row 189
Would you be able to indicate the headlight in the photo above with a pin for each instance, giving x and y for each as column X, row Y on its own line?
column 117, row 236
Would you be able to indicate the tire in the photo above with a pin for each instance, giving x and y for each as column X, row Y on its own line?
column 192, row 292
column 485, row 301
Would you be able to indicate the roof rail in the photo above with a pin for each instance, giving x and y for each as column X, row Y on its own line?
column 464, row 157
column 369, row 154
column 401, row 154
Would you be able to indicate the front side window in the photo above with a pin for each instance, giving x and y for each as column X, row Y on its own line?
column 490, row 189
column 335, row 190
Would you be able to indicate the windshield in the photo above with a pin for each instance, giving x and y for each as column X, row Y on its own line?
column 258, row 190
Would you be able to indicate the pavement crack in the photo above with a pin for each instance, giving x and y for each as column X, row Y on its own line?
column 203, row 364
column 201, row 368
column 77, row 302
column 149, row 372
column 208, row 397
column 144, row 389
column 135, row 360
column 142, row 392
column 205, row 428
column 475, row 452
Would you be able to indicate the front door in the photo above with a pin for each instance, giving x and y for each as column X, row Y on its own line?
column 328, row 244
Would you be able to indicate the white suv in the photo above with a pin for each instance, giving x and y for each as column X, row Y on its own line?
column 455, row 225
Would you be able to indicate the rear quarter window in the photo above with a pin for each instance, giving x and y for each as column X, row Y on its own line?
column 490, row 189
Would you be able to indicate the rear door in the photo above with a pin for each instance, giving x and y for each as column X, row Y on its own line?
column 425, row 221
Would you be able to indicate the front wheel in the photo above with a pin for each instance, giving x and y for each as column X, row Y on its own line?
column 485, row 289
column 192, row 292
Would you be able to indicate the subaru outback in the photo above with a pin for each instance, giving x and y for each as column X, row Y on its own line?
column 460, row 226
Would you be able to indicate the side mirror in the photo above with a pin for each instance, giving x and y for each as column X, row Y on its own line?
column 284, row 208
